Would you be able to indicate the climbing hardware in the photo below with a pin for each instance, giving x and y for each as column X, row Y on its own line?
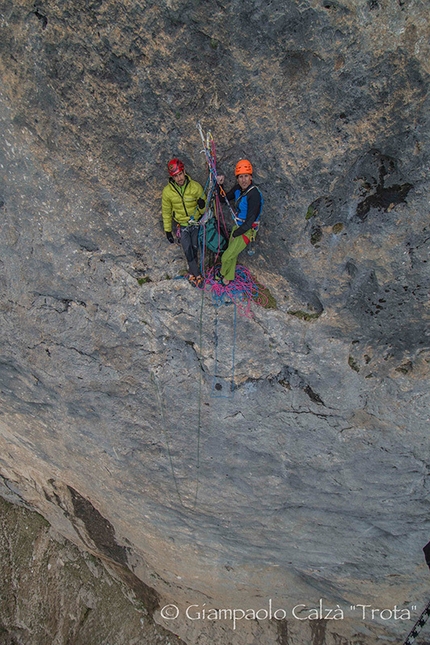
column 244, row 289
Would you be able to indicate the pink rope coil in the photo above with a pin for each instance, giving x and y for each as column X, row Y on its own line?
column 241, row 291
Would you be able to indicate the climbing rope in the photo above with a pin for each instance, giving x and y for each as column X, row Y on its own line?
column 242, row 291
column 166, row 436
column 214, row 209
column 209, row 152
column 244, row 288
column 218, row 378
column 199, row 408
column 418, row 625
column 199, row 425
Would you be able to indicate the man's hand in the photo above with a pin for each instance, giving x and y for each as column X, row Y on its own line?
column 201, row 203
column 170, row 237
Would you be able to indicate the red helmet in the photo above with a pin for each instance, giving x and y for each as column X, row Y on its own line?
column 243, row 167
column 175, row 166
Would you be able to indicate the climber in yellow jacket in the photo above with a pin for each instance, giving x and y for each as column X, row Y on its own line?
column 183, row 201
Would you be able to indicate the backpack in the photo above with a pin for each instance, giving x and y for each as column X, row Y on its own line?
column 214, row 239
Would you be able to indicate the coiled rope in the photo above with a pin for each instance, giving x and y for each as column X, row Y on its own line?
column 242, row 291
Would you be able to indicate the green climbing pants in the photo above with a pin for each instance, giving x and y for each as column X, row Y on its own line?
column 235, row 246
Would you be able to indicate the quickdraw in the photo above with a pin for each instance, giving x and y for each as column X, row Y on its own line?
column 207, row 150
column 216, row 239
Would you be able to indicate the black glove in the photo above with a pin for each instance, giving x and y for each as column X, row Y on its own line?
column 170, row 237
column 237, row 233
column 201, row 203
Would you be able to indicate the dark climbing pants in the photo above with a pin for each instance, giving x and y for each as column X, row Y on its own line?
column 189, row 241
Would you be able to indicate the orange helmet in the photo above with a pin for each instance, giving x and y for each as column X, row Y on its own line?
column 175, row 166
column 243, row 167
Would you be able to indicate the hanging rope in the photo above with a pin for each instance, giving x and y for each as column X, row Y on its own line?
column 214, row 215
column 244, row 288
column 239, row 292
column 218, row 378
column 199, row 407
column 418, row 625
column 161, row 408
column 208, row 149
column 166, row 437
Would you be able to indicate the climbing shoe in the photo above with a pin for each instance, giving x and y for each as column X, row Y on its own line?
column 196, row 281
column 218, row 277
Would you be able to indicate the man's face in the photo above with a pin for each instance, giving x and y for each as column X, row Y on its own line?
column 179, row 178
column 244, row 181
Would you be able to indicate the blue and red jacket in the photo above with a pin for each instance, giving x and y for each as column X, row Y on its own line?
column 248, row 205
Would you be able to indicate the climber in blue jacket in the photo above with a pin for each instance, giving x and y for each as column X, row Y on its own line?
column 247, row 204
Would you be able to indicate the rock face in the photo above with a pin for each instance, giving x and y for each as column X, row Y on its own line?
column 53, row 593
column 309, row 480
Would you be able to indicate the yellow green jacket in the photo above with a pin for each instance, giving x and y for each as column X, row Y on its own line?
column 181, row 206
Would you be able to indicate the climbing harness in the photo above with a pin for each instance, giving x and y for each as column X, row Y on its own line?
column 418, row 625
column 240, row 216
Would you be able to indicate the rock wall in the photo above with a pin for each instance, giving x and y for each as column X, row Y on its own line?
column 52, row 592
column 118, row 423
